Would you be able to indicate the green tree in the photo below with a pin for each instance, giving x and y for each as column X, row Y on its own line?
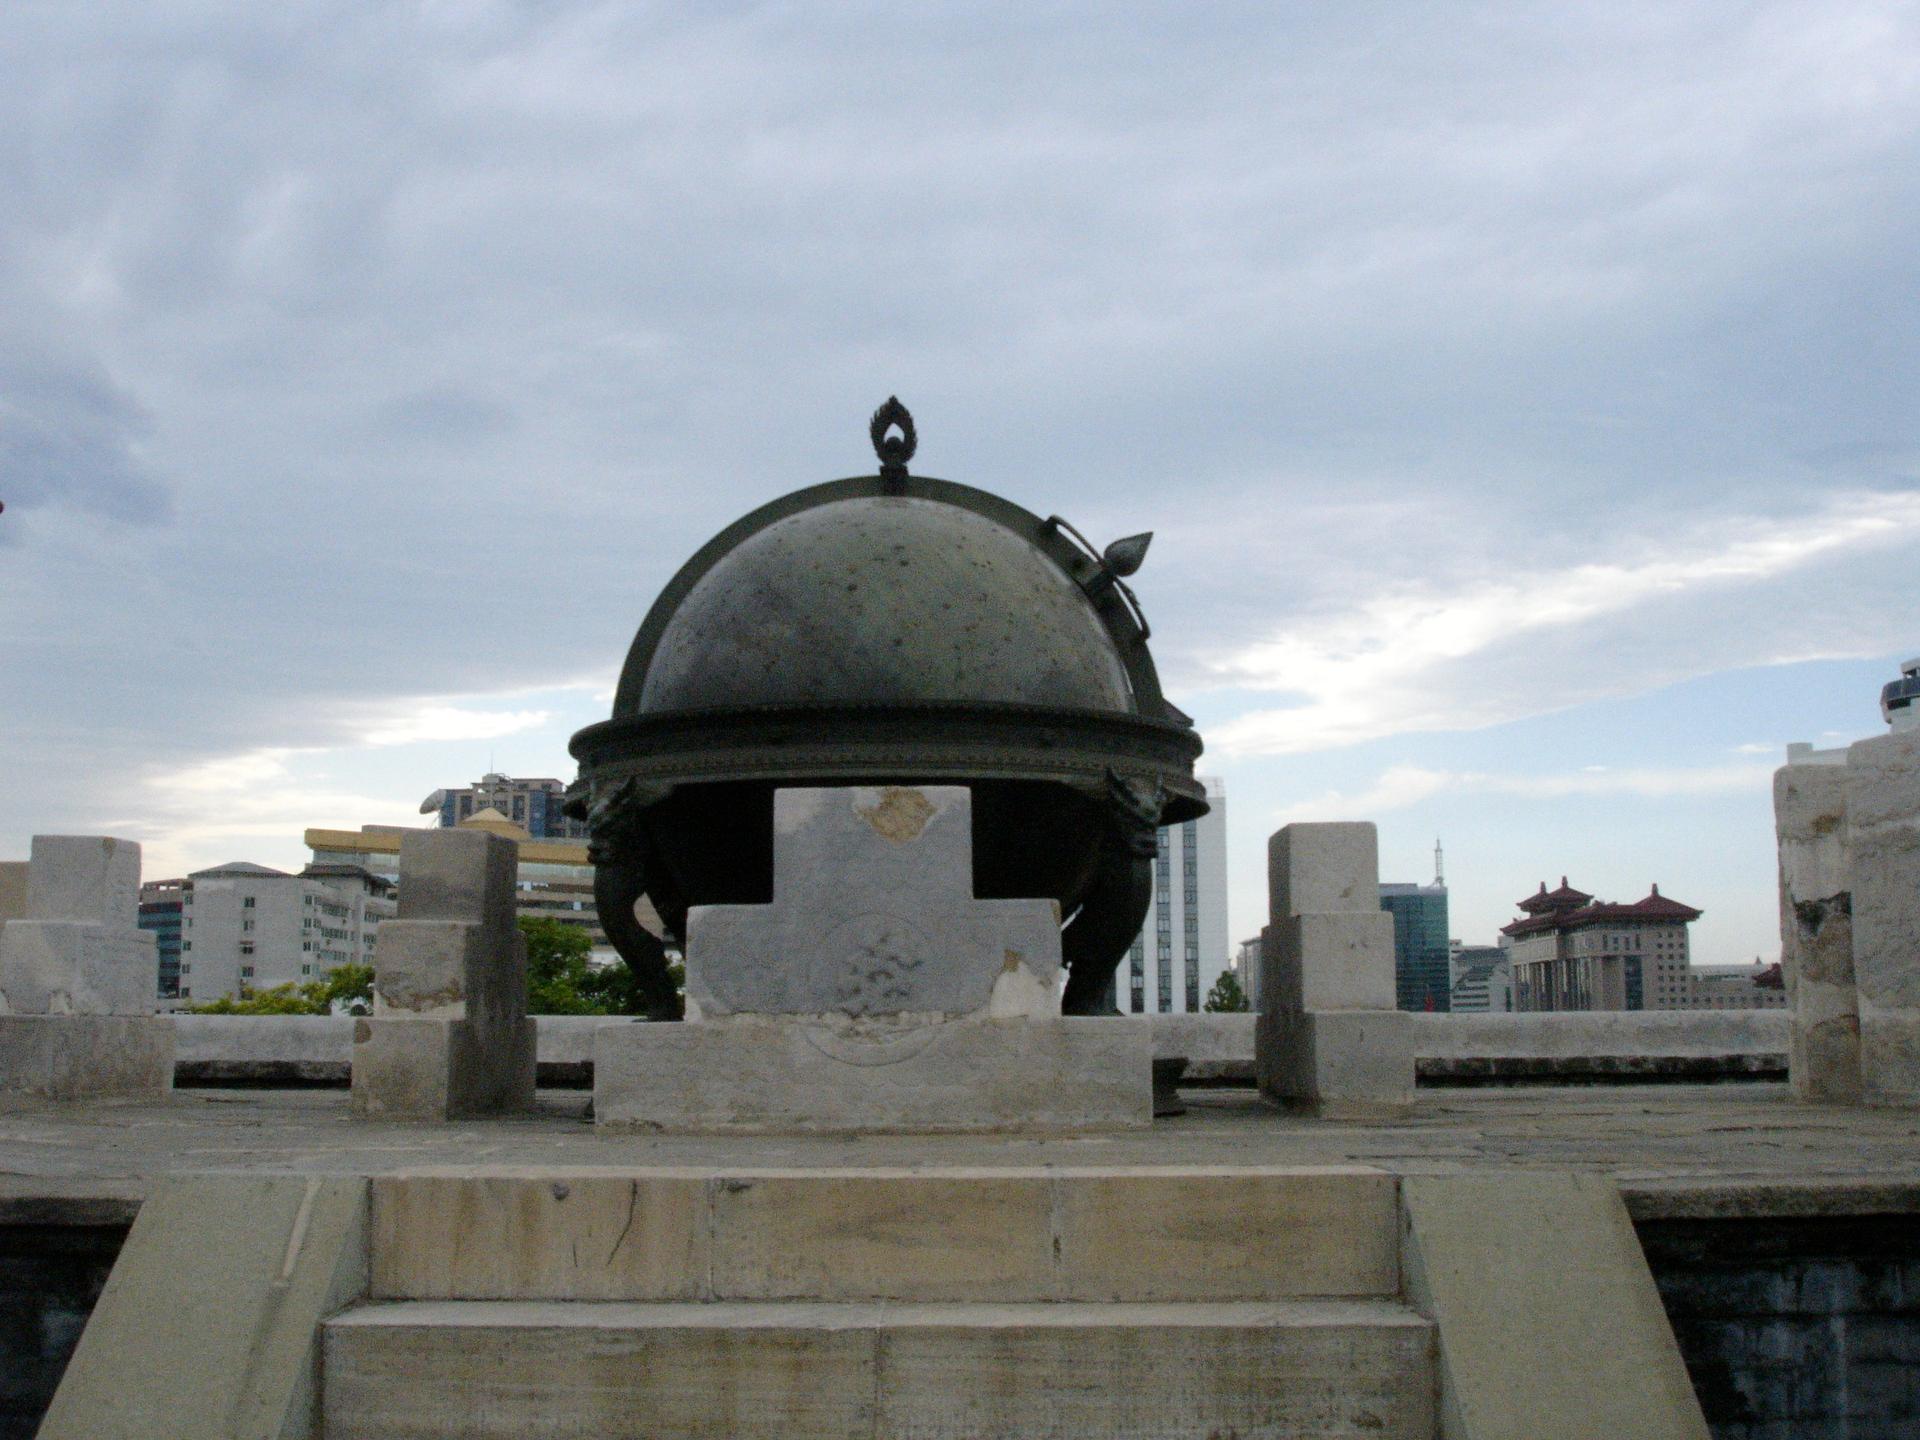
column 1226, row 996
column 558, row 971
column 561, row 980
column 350, row 988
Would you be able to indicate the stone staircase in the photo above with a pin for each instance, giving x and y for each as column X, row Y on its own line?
column 1242, row 1302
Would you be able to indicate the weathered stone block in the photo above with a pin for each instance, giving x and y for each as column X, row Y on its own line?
column 450, row 1036
column 1549, row 1320
column 450, row 874
column 1817, row 957
column 72, row 1057
column 210, row 1323
column 450, row 970
column 1816, row 931
column 1889, row 1056
column 418, row 1069
column 71, row 967
column 873, row 914
column 536, row 1235
column 1340, row 961
column 882, row 1236
column 789, row 1074
column 1336, row 1062
column 1883, row 781
column 1323, row 868
column 1886, row 916
column 1810, row 819
column 632, row 1372
column 1158, row 1235
column 893, row 1370
column 13, row 890
column 93, row 879
column 1883, row 855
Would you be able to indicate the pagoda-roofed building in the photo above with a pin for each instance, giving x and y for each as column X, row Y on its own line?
column 1572, row 952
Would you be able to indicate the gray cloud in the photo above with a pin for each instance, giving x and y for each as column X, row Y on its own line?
column 69, row 436
column 454, row 328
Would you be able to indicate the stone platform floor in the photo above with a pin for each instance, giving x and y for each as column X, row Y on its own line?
column 1732, row 1149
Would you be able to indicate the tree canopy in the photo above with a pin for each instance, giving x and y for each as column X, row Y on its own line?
column 1226, row 994
column 349, row 988
column 561, row 980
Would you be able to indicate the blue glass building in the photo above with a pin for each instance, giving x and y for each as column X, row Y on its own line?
column 1422, row 972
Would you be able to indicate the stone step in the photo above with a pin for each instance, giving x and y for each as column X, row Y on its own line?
column 543, row 1370
column 1121, row 1234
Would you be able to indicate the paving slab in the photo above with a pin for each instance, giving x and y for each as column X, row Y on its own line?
column 1664, row 1138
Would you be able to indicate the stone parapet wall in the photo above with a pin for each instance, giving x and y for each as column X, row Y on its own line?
column 315, row 1049
column 318, row 1049
column 1686, row 1034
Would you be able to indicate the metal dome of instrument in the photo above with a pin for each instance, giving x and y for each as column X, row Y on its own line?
column 893, row 628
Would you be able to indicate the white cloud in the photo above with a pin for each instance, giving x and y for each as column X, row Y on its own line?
column 1402, row 786
column 1372, row 671
column 238, row 806
column 433, row 722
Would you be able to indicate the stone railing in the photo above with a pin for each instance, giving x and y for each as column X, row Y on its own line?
column 1703, row 1044
column 318, row 1049
column 1602, row 1045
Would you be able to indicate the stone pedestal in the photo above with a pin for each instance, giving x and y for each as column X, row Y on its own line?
column 78, row 1057
column 1816, row 931
column 449, row 1036
column 1848, row 827
column 874, row 993
column 78, row 978
column 1329, row 1039
column 1883, row 854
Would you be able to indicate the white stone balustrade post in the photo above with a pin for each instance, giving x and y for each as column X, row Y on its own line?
column 1883, row 854
column 449, row 1036
column 78, row 978
column 1816, row 932
column 1329, row 1038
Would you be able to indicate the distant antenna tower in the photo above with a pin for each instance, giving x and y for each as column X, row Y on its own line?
column 1439, row 863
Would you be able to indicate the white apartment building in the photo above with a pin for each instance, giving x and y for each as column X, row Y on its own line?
column 1183, row 947
column 1246, row 968
column 245, row 927
column 1482, row 979
column 554, row 878
column 1733, row 987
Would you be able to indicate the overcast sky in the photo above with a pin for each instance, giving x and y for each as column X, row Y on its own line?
column 1523, row 397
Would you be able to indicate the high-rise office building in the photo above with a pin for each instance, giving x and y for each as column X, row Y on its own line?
column 533, row 805
column 162, row 911
column 1183, row 947
column 1422, row 965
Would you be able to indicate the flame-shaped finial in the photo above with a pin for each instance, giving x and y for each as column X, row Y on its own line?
column 894, row 450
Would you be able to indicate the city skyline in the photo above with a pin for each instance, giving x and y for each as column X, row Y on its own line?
column 1520, row 399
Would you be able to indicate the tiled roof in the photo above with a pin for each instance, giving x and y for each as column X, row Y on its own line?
column 1564, row 898
column 1655, row 908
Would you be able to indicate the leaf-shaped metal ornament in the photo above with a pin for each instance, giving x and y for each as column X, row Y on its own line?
column 1123, row 557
